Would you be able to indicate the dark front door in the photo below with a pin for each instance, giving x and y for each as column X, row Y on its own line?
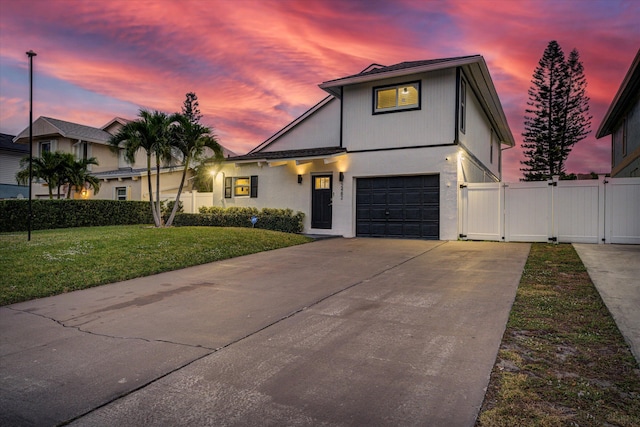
column 321, row 210
column 398, row 206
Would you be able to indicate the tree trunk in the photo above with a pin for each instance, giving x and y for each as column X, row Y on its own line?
column 175, row 204
column 153, row 209
column 158, row 210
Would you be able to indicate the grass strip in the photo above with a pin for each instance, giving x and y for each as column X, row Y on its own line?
column 64, row 260
column 562, row 361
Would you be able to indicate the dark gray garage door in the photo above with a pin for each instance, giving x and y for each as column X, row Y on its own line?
column 398, row 206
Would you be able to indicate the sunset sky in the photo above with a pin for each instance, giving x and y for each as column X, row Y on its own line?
column 256, row 65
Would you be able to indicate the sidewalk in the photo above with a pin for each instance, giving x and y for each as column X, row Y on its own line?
column 615, row 271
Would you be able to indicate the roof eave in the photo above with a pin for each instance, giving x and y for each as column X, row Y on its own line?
column 333, row 86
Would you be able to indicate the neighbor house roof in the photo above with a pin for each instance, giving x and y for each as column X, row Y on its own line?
column 51, row 126
column 307, row 154
column 475, row 69
column 7, row 144
column 627, row 95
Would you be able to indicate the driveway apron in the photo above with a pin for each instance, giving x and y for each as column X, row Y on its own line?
column 335, row 332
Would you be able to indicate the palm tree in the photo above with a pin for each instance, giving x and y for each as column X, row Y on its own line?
column 48, row 168
column 190, row 139
column 78, row 176
column 149, row 133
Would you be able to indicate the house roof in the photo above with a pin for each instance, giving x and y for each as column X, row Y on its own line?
column 51, row 126
column 625, row 98
column 115, row 120
column 307, row 154
column 475, row 69
column 7, row 144
column 376, row 71
column 131, row 172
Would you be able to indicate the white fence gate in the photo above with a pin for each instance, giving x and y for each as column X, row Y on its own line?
column 606, row 210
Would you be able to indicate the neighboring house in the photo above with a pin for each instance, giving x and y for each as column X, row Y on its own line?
column 383, row 154
column 10, row 156
column 120, row 180
column 622, row 122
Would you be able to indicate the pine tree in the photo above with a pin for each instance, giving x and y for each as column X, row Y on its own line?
column 190, row 108
column 558, row 114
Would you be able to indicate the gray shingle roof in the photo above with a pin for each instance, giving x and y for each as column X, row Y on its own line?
column 378, row 69
column 6, row 143
column 289, row 154
column 77, row 131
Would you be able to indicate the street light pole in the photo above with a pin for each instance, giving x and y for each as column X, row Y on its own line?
column 30, row 54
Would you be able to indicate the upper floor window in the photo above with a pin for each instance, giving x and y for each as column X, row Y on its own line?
column 400, row 97
column 463, row 106
column 47, row 146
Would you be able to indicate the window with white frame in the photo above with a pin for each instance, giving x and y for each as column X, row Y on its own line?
column 46, row 147
column 401, row 97
column 121, row 193
column 242, row 186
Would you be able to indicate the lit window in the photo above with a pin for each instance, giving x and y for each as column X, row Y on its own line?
column 241, row 187
column 396, row 98
column 322, row 183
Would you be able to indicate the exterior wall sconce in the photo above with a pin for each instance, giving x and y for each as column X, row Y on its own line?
column 341, row 176
column 299, row 179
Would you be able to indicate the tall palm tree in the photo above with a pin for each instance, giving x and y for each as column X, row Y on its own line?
column 48, row 168
column 78, row 177
column 190, row 139
column 149, row 133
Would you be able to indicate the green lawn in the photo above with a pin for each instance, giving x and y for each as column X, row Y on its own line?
column 63, row 260
column 562, row 361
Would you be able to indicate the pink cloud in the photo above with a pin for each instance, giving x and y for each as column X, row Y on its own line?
column 256, row 65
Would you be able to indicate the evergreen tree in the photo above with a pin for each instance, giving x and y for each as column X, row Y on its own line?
column 558, row 114
column 190, row 108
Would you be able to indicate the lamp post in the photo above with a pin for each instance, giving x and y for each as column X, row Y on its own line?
column 30, row 54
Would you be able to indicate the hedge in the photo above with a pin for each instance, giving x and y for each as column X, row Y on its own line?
column 269, row 219
column 65, row 213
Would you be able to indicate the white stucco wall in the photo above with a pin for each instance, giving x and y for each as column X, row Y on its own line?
column 433, row 124
column 320, row 129
column 478, row 138
column 278, row 187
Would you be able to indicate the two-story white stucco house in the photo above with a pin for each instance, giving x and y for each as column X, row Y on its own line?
column 119, row 179
column 383, row 154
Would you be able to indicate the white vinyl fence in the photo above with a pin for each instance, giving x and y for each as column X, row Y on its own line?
column 606, row 210
column 191, row 200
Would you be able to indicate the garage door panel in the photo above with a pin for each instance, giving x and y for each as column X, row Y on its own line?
column 395, row 198
column 395, row 214
column 379, row 198
column 413, row 213
column 398, row 206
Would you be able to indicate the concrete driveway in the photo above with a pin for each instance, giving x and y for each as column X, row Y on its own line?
column 335, row 332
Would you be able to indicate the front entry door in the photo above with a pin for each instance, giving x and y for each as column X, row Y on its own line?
column 321, row 210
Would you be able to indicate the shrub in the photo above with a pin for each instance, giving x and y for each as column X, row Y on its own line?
column 67, row 213
column 269, row 219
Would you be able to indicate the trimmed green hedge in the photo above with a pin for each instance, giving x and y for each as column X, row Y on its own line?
column 269, row 219
column 66, row 213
